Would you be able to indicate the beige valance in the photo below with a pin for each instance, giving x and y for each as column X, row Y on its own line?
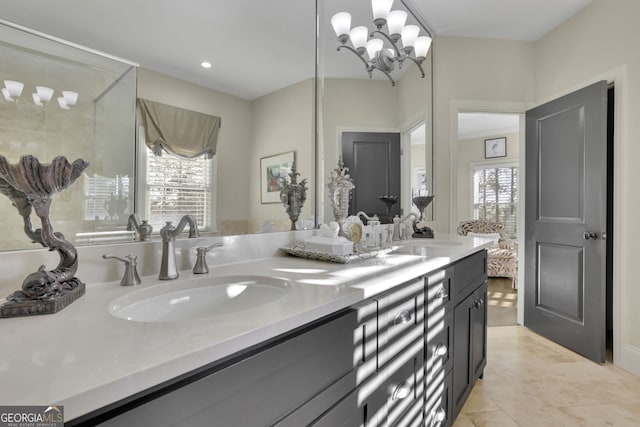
column 179, row 131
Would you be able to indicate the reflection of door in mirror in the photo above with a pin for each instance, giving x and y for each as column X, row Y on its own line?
column 352, row 100
column 373, row 159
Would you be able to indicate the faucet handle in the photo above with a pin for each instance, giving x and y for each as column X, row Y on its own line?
column 130, row 276
column 201, row 266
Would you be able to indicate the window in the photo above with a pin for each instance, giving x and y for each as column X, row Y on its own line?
column 176, row 186
column 495, row 195
column 106, row 198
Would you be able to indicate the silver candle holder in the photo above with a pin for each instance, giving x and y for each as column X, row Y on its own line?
column 340, row 186
column 293, row 195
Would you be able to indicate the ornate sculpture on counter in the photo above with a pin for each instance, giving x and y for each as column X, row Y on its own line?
column 293, row 195
column 420, row 229
column 30, row 184
column 340, row 187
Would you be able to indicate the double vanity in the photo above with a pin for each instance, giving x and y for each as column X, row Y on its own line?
column 262, row 339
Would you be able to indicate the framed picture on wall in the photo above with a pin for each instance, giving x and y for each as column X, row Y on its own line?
column 495, row 147
column 272, row 170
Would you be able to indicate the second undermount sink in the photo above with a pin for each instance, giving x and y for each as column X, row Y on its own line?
column 198, row 298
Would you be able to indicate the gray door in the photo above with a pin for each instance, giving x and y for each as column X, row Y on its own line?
column 565, row 219
column 373, row 159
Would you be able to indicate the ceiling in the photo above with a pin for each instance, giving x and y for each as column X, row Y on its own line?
column 266, row 45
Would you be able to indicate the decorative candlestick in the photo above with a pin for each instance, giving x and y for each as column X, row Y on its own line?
column 340, row 187
column 30, row 184
column 421, row 203
column 293, row 195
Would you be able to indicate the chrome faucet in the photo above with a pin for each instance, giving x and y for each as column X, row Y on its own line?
column 168, row 233
column 143, row 230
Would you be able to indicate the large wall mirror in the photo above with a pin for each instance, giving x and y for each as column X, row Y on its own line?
column 256, row 125
column 372, row 108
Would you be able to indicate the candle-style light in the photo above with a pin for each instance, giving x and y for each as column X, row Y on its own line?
column 414, row 46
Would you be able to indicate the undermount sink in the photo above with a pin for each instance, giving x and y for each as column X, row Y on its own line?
column 198, row 298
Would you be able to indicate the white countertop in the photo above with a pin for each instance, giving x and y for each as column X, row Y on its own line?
column 84, row 358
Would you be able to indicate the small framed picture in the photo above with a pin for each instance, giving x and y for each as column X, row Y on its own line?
column 495, row 147
column 273, row 169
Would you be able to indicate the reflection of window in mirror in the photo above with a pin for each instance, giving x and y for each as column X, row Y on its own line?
column 172, row 186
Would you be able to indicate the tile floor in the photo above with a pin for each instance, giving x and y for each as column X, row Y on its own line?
column 530, row 381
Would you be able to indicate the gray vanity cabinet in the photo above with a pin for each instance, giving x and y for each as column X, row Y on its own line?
column 456, row 337
column 469, row 329
column 439, row 346
column 260, row 387
column 405, row 357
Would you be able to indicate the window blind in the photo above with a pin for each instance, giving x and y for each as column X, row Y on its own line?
column 106, row 197
column 177, row 186
column 495, row 196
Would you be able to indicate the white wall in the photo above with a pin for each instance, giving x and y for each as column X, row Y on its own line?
column 598, row 43
column 469, row 71
column 601, row 42
column 282, row 122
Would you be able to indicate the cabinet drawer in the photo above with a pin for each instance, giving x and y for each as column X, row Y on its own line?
column 469, row 273
column 365, row 349
column 439, row 289
column 400, row 320
column 405, row 393
column 439, row 404
column 439, row 343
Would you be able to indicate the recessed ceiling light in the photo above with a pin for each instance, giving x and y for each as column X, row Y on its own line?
column 206, row 64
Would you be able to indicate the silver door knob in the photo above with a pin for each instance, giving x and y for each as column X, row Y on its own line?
column 590, row 235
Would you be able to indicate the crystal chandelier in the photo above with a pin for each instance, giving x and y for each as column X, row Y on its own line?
column 414, row 46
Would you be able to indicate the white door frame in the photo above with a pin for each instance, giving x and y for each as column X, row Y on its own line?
column 468, row 106
column 625, row 355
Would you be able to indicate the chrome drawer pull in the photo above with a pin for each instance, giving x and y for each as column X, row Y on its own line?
column 438, row 417
column 442, row 293
column 403, row 317
column 440, row 350
column 401, row 391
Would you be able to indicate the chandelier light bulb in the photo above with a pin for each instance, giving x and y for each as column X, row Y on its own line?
column 44, row 93
column 409, row 36
column 381, row 9
column 14, row 88
column 421, row 47
column 70, row 97
column 36, row 100
column 341, row 23
column 359, row 36
column 395, row 22
column 7, row 96
column 63, row 103
column 374, row 46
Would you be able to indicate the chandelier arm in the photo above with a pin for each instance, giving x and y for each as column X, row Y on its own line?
column 393, row 82
column 349, row 48
column 395, row 47
column 418, row 64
